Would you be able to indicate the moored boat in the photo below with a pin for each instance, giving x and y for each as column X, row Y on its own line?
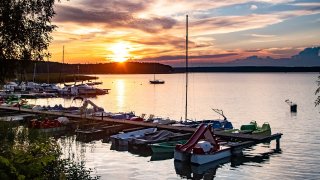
column 122, row 139
column 166, row 147
column 253, row 128
column 49, row 125
column 202, row 147
column 141, row 144
column 156, row 81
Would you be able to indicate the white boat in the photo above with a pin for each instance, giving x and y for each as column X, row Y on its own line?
column 160, row 120
column 84, row 89
column 222, row 153
column 123, row 138
column 202, row 148
column 50, row 88
column 155, row 81
column 11, row 86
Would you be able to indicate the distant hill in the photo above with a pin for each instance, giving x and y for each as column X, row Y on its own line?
column 307, row 58
column 102, row 68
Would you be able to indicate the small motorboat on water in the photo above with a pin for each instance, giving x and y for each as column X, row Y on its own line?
column 156, row 81
column 202, row 147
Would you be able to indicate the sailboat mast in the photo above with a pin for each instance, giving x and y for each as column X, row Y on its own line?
column 186, row 113
column 61, row 69
column 62, row 54
column 154, row 70
column 64, row 80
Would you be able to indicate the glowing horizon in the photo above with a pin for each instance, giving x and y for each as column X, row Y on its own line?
column 95, row 31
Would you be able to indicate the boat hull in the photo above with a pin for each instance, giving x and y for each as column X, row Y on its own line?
column 156, row 82
column 166, row 147
column 207, row 158
column 181, row 156
column 199, row 159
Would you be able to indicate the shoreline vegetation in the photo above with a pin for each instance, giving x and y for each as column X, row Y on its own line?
column 29, row 154
column 56, row 78
column 72, row 71
column 54, row 72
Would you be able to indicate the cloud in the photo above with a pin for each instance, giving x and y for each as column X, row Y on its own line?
column 253, row 7
column 112, row 19
column 115, row 5
column 262, row 35
column 156, row 28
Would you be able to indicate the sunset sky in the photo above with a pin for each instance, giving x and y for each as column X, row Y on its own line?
column 97, row 31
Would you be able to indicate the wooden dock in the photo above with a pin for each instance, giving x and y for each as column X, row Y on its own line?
column 247, row 140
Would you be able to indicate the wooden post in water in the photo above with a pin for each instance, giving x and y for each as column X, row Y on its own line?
column 278, row 144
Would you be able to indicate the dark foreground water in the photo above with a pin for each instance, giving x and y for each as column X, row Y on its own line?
column 242, row 96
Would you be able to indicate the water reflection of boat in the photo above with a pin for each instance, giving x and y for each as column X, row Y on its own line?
column 259, row 158
column 206, row 171
column 161, row 156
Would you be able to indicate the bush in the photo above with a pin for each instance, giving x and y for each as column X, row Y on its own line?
column 28, row 154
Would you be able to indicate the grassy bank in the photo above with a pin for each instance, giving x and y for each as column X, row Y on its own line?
column 56, row 78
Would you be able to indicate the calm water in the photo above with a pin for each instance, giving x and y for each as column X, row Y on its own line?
column 242, row 96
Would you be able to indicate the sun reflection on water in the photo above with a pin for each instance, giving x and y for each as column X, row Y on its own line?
column 120, row 91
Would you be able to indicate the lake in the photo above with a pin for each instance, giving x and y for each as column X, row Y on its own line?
column 242, row 96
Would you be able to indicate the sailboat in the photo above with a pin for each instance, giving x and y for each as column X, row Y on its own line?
column 155, row 81
column 203, row 146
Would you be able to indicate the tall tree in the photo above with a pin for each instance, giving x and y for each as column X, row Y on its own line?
column 25, row 28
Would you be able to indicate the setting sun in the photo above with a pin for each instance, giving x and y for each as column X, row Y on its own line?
column 120, row 52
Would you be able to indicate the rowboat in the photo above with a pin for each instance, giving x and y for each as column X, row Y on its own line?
column 166, row 147
column 141, row 144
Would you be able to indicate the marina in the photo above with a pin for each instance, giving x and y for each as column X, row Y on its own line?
column 98, row 129
column 102, row 122
column 159, row 90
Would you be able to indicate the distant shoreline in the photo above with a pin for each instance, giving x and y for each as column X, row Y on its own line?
column 247, row 69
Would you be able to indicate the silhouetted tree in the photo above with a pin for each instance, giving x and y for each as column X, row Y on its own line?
column 25, row 27
column 317, row 102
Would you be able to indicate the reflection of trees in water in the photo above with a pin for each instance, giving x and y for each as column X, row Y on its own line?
column 208, row 171
column 75, row 150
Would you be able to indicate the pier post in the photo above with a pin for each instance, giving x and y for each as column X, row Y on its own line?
column 278, row 144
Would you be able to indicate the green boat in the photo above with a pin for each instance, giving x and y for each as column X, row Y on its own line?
column 166, row 147
column 264, row 130
column 253, row 128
